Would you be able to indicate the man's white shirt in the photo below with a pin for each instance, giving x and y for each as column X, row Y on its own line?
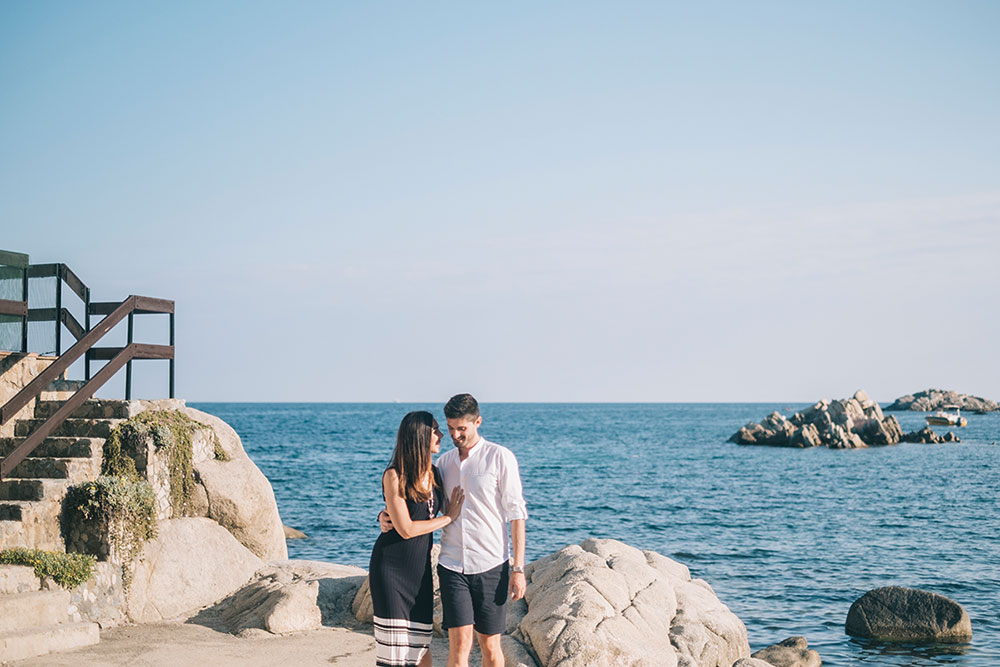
column 478, row 540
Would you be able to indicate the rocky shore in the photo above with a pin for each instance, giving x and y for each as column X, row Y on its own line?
column 848, row 423
column 937, row 399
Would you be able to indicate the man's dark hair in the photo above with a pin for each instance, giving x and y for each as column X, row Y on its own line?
column 461, row 405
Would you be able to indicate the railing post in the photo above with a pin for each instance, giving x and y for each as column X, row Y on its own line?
column 128, row 366
column 59, row 282
column 24, row 320
column 173, row 356
column 86, row 325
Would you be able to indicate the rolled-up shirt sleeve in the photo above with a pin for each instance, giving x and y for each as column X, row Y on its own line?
column 511, row 496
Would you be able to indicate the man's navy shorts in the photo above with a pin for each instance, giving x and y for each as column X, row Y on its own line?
column 479, row 600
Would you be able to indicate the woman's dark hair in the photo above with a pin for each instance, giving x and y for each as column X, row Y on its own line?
column 411, row 459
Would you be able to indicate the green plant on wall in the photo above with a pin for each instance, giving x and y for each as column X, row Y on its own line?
column 124, row 508
column 170, row 431
column 68, row 570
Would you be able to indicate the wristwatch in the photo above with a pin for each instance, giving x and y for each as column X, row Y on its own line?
column 517, row 568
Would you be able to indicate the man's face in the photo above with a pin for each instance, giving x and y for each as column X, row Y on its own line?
column 464, row 431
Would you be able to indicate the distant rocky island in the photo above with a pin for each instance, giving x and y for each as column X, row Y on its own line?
column 847, row 423
column 936, row 399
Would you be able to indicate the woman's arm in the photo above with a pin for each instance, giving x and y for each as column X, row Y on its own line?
column 400, row 516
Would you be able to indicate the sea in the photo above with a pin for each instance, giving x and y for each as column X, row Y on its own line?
column 787, row 538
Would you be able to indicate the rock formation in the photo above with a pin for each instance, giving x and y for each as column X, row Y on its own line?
column 291, row 596
column 936, row 399
column 791, row 652
column 903, row 614
column 606, row 603
column 841, row 424
column 926, row 435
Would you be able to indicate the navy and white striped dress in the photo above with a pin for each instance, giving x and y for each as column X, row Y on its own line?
column 399, row 575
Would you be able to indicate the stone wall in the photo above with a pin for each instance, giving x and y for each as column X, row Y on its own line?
column 100, row 599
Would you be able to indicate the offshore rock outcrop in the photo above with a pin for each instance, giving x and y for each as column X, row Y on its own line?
column 936, row 399
column 928, row 437
column 895, row 613
column 839, row 424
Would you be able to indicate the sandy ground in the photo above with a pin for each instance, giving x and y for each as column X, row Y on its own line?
column 181, row 644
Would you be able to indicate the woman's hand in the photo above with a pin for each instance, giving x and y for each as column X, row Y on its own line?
column 455, row 503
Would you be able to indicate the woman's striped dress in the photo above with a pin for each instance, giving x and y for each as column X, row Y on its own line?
column 402, row 588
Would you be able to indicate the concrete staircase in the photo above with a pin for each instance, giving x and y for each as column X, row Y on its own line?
column 34, row 621
column 31, row 497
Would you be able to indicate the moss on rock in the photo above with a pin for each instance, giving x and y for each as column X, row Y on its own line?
column 169, row 430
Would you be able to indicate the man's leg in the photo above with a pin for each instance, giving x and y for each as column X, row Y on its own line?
column 489, row 598
column 459, row 646
column 492, row 653
column 456, row 603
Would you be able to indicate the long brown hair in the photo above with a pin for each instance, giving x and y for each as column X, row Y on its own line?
column 411, row 459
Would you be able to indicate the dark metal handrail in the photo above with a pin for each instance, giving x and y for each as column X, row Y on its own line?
column 127, row 308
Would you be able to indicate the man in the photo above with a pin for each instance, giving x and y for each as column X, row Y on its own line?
column 475, row 568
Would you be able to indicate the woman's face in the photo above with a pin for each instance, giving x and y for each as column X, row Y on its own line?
column 435, row 439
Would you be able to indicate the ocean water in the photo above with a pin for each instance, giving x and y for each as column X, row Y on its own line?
column 787, row 538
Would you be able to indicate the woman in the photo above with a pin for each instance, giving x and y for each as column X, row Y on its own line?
column 399, row 573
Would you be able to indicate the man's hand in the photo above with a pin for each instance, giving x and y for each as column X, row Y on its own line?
column 384, row 521
column 518, row 583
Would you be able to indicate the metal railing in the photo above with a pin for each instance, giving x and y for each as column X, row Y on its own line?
column 85, row 346
column 60, row 315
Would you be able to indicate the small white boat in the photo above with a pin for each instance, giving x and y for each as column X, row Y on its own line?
column 943, row 418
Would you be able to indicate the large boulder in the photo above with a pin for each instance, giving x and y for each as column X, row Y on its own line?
column 191, row 563
column 276, row 602
column 936, row 399
column 606, row 603
column 237, row 495
column 791, row 652
column 896, row 613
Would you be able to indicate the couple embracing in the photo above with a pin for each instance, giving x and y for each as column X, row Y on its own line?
column 477, row 486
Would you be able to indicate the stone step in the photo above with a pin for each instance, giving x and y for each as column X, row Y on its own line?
column 79, row 428
column 38, row 524
column 75, row 470
column 18, row 579
column 76, row 448
column 94, row 409
column 33, row 489
column 61, row 389
column 19, row 611
column 46, row 639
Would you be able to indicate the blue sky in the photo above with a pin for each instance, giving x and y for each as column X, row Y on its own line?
column 533, row 202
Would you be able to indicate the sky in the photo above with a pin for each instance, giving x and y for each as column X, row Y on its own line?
column 556, row 202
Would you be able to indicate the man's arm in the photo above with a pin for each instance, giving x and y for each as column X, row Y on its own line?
column 518, row 582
